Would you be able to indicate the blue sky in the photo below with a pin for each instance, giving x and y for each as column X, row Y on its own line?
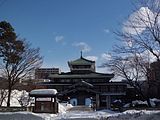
column 62, row 28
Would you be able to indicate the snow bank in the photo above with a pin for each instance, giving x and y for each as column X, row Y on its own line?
column 139, row 102
column 25, row 116
column 136, row 115
column 63, row 107
column 20, row 116
column 80, row 115
column 110, row 115
column 154, row 102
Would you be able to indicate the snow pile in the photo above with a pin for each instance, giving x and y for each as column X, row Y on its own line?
column 15, row 97
column 139, row 102
column 20, row 116
column 136, row 115
column 63, row 107
column 25, row 116
column 155, row 102
column 127, row 105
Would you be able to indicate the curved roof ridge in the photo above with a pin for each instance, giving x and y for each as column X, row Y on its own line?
column 82, row 61
column 87, row 59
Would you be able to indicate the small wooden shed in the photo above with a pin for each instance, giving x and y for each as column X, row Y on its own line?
column 45, row 100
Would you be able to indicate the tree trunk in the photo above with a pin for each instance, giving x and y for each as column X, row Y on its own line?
column 148, row 102
column 3, row 96
column 146, row 98
column 1, row 103
column 9, row 96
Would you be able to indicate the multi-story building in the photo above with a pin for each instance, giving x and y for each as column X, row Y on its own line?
column 154, row 79
column 43, row 73
column 84, row 86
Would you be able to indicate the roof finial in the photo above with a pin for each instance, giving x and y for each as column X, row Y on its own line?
column 81, row 54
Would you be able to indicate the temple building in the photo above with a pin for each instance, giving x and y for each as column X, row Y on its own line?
column 82, row 85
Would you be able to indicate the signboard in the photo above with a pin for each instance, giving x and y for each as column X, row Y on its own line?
column 43, row 99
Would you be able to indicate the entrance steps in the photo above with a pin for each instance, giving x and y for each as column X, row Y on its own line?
column 80, row 108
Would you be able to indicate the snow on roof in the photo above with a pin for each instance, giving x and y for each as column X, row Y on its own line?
column 43, row 92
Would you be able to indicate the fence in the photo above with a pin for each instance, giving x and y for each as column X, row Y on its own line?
column 12, row 109
column 142, row 108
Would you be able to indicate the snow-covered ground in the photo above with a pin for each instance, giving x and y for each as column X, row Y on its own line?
column 80, row 115
column 94, row 115
column 65, row 114
column 15, row 96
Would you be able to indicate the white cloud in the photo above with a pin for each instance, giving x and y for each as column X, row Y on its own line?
column 59, row 38
column 103, row 70
column 93, row 58
column 106, row 56
column 136, row 19
column 83, row 46
column 106, row 30
column 149, row 56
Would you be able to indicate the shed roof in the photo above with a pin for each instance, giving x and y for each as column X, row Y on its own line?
column 43, row 93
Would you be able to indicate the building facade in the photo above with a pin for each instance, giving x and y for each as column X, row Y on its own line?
column 43, row 73
column 154, row 79
column 84, row 86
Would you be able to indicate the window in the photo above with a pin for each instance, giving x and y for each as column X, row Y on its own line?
column 119, row 88
column 103, row 88
column 112, row 88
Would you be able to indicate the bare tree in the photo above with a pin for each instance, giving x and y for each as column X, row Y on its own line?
column 3, row 91
column 133, row 69
column 18, row 59
column 142, row 29
column 3, row 95
column 139, row 40
column 24, row 99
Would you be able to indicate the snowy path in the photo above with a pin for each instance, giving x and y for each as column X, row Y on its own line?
column 80, row 108
column 83, row 113
column 76, row 115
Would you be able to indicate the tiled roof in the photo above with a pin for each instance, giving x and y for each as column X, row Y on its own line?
column 89, row 75
column 81, row 61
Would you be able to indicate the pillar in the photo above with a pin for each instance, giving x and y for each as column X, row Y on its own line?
column 97, row 101
column 108, row 101
column 55, row 105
